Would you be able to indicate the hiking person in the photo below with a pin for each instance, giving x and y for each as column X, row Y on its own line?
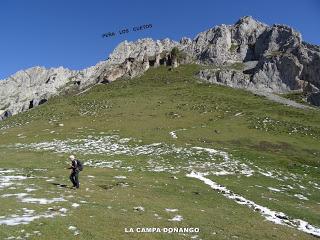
column 76, row 167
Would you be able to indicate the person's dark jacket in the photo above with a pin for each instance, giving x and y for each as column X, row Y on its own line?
column 74, row 166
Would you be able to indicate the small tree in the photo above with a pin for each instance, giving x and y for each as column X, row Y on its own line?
column 175, row 52
column 176, row 56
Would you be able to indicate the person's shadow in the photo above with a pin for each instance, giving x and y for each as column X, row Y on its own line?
column 60, row 185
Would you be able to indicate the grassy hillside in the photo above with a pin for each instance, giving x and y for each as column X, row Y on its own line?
column 139, row 138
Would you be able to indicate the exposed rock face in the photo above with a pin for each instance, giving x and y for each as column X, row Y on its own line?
column 278, row 74
column 231, row 78
column 309, row 56
column 29, row 88
column 274, row 59
column 32, row 87
column 285, row 63
column 137, row 50
column 277, row 38
column 224, row 44
column 244, row 36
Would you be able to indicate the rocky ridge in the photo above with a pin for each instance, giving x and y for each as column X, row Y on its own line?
column 248, row 54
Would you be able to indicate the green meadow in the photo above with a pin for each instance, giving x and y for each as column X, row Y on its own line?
column 138, row 139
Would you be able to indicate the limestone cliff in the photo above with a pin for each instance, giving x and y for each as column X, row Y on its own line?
column 248, row 54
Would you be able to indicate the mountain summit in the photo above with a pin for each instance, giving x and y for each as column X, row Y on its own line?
column 248, row 54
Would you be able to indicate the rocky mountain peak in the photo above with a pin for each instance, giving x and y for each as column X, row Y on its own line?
column 248, row 21
column 138, row 49
column 267, row 58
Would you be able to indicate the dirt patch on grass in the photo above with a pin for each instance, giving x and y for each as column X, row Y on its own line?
column 273, row 147
column 112, row 186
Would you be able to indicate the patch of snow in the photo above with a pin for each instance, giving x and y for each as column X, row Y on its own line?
column 18, row 195
column 139, row 209
column 222, row 173
column 74, row 229
column 14, row 219
column 63, row 210
column 301, row 197
column 120, row 177
column 103, row 164
column 75, row 205
column 177, row 218
column 270, row 215
column 6, row 171
column 274, row 189
column 29, row 211
column 114, row 145
column 173, row 134
column 267, row 174
column 209, row 150
column 42, row 200
column 8, row 180
column 171, row 210
column 30, row 189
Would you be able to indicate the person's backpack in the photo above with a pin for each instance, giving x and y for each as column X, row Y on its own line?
column 79, row 165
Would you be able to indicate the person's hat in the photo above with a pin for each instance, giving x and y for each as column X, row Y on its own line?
column 72, row 157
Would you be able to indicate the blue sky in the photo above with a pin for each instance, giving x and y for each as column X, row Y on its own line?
column 67, row 33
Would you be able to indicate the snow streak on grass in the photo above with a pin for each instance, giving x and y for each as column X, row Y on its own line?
column 161, row 157
column 270, row 215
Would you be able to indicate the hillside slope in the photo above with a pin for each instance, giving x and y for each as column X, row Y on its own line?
column 154, row 149
column 248, row 54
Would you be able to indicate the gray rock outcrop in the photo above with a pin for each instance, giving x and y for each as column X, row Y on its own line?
column 29, row 88
column 228, row 77
column 137, row 50
column 284, row 62
column 248, row 54
column 32, row 87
